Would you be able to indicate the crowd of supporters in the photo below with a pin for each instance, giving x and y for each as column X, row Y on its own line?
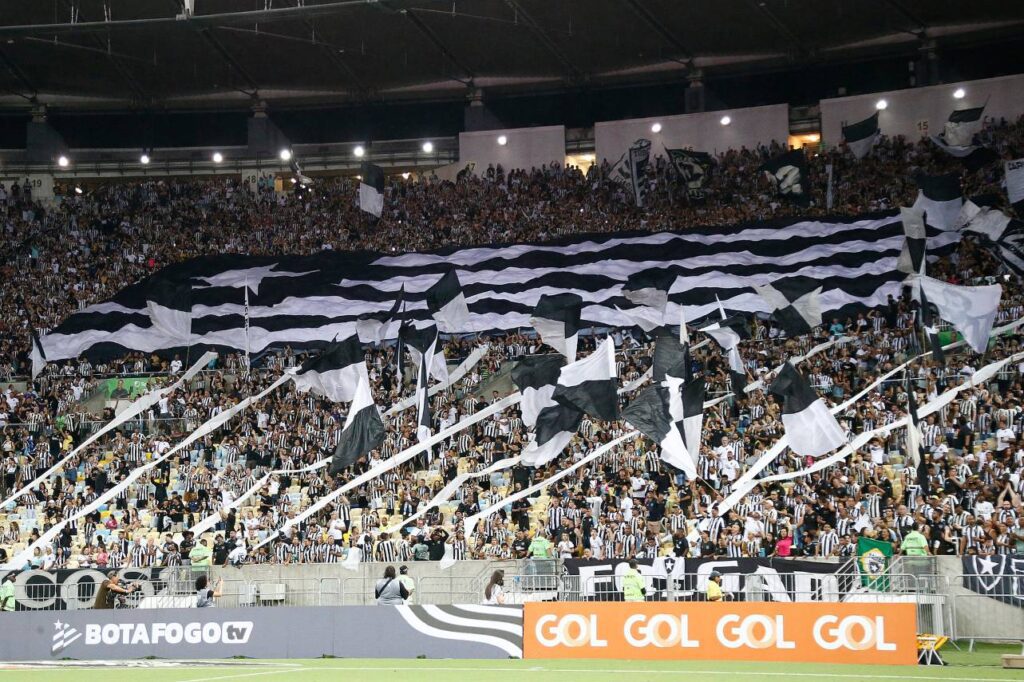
column 85, row 248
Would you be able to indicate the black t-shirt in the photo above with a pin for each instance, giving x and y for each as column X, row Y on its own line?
column 680, row 546
column 520, row 547
column 655, row 510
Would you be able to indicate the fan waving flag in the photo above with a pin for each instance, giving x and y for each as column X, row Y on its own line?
column 423, row 429
column 591, row 384
column 789, row 171
column 911, row 260
column 671, row 413
column 728, row 333
column 914, row 440
column 1014, row 170
column 972, row 310
column 693, row 168
column 363, row 431
column 796, row 303
column 423, row 342
column 860, row 137
column 648, row 290
column 38, row 356
column 447, row 303
column 811, row 429
column 535, row 376
column 941, row 199
column 556, row 318
column 556, row 425
column 1004, row 236
column 957, row 139
column 169, row 305
column 373, row 328
column 371, row 189
column 630, row 171
column 335, row 373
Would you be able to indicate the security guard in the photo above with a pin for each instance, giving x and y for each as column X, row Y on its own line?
column 633, row 586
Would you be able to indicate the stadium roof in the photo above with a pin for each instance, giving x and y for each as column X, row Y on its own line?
column 116, row 53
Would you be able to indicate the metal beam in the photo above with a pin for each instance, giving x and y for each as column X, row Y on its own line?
column 439, row 44
column 779, row 25
column 221, row 18
column 542, row 37
column 907, row 14
column 659, row 28
column 232, row 63
column 19, row 76
column 119, row 67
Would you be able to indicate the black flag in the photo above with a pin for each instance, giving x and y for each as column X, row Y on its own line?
column 363, row 430
column 861, row 136
column 789, row 171
column 693, row 168
column 371, row 189
column 914, row 441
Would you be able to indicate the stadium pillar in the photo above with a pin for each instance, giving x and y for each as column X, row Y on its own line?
column 264, row 138
column 476, row 115
column 926, row 68
column 693, row 101
column 43, row 144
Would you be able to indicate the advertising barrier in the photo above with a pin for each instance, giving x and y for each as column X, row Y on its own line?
column 786, row 632
column 448, row 631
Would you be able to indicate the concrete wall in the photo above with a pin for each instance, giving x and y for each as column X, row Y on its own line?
column 524, row 148
column 704, row 132
column 922, row 111
column 332, row 584
column 976, row 616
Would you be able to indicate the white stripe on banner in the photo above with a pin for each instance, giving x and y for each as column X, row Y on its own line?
column 208, row 427
column 446, row 492
column 403, row 456
column 141, row 404
column 469, row 527
column 459, row 372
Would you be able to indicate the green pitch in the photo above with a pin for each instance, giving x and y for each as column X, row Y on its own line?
column 981, row 666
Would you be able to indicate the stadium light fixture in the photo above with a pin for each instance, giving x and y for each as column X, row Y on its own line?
column 405, row 176
column 725, row 120
column 959, row 93
column 78, row 190
column 881, row 104
column 217, row 157
column 359, row 151
column 428, row 147
column 502, row 140
column 286, row 155
column 656, row 128
column 144, row 159
column 63, row 161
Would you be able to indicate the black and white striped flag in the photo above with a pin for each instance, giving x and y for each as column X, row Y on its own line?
column 557, row 319
column 860, row 137
column 306, row 301
column 363, row 431
column 591, row 384
column 335, row 373
column 1003, row 235
column 447, row 303
column 796, row 303
column 371, row 189
column 811, row 429
column 957, row 139
column 941, row 198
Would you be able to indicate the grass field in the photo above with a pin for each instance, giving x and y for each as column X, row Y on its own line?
column 980, row 666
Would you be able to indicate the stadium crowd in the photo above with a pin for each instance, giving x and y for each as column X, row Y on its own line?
column 626, row 504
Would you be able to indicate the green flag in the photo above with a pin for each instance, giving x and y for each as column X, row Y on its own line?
column 873, row 558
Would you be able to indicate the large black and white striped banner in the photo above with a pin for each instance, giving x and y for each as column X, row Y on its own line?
column 306, row 301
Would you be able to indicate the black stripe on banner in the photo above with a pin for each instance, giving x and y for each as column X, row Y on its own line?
column 426, row 618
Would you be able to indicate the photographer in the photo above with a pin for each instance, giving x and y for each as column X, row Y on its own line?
column 109, row 590
column 204, row 595
column 389, row 590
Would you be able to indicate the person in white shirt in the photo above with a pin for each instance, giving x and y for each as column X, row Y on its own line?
column 1005, row 437
column 494, row 593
